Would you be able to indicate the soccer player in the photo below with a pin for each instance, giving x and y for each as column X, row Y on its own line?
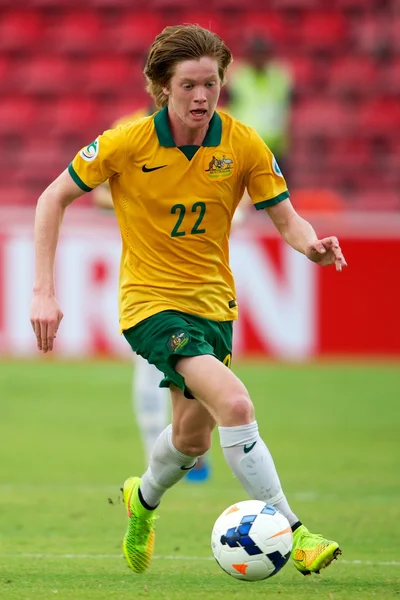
column 176, row 179
column 150, row 402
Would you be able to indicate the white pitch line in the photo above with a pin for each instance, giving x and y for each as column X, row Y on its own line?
column 111, row 490
column 390, row 563
column 387, row 563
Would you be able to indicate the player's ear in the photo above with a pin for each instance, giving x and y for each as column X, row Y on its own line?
column 166, row 91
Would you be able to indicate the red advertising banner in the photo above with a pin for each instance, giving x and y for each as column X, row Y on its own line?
column 290, row 309
column 359, row 311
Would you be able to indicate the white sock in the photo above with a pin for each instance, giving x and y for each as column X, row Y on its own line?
column 150, row 403
column 165, row 468
column 252, row 463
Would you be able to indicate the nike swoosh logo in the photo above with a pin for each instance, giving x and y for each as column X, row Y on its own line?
column 247, row 449
column 150, row 169
column 188, row 468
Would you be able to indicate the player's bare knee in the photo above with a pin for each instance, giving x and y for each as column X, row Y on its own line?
column 239, row 411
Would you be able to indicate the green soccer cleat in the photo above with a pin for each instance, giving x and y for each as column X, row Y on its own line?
column 139, row 537
column 311, row 552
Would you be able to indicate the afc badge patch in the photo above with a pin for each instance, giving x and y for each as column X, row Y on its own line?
column 219, row 165
column 276, row 167
column 90, row 152
column 178, row 340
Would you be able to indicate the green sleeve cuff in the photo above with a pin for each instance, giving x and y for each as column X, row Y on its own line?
column 272, row 201
column 77, row 179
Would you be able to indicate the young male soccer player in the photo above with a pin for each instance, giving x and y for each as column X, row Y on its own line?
column 150, row 402
column 176, row 179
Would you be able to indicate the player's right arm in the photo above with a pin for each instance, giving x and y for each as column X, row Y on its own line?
column 91, row 167
column 46, row 314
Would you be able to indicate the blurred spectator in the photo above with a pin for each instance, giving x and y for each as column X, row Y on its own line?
column 260, row 91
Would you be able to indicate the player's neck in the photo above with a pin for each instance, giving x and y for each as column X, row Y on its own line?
column 186, row 136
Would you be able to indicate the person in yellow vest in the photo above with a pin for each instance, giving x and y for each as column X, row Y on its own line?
column 150, row 401
column 260, row 95
column 176, row 179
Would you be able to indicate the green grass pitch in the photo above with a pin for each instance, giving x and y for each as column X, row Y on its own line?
column 68, row 440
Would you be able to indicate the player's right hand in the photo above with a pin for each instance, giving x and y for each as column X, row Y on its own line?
column 46, row 317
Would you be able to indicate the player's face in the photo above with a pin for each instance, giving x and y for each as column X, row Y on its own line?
column 193, row 91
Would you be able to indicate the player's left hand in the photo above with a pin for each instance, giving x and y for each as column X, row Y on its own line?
column 327, row 252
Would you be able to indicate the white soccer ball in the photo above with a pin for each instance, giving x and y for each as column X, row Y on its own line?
column 251, row 540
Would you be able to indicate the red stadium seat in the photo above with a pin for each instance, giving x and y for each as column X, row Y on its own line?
column 379, row 117
column 4, row 72
column 56, row 4
column 37, row 164
column 167, row 5
column 5, row 4
column 393, row 32
column 233, row 5
column 19, row 30
column 110, row 4
column 347, row 153
column 353, row 74
column 353, row 4
column 294, row 4
column 389, row 77
column 75, row 116
column 372, row 201
column 45, row 74
column 43, row 153
column 17, row 113
column 136, row 31
column 303, row 72
column 77, row 31
column 322, row 116
column 371, row 31
column 15, row 195
column 325, row 30
column 111, row 74
column 10, row 79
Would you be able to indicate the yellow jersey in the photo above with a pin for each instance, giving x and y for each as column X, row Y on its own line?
column 175, row 207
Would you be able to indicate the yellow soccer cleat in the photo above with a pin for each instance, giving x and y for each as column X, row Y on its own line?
column 311, row 552
column 139, row 537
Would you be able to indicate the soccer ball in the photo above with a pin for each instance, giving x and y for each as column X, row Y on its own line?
column 251, row 540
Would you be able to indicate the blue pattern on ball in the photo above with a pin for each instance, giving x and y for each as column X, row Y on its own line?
column 244, row 529
column 278, row 560
column 239, row 536
column 268, row 510
column 248, row 519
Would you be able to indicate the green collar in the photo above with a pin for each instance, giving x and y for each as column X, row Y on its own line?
column 163, row 130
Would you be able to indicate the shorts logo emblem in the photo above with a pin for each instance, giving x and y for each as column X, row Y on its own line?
column 178, row 340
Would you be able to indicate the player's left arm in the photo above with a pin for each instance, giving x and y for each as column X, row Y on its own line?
column 300, row 235
column 268, row 190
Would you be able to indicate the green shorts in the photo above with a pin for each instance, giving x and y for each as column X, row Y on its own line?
column 167, row 336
